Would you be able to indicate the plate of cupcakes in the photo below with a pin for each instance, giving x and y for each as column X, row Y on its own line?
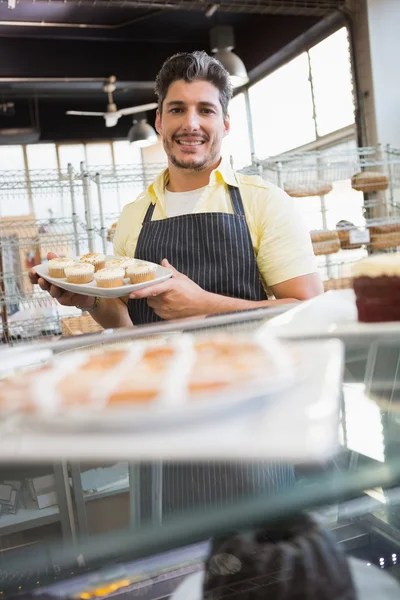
column 96, row 274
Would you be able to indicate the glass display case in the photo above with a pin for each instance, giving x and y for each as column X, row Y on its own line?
column 123, row 531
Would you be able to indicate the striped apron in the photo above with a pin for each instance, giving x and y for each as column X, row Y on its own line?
column 216, row 251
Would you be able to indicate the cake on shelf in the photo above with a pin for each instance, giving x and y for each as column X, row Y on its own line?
column 376, row 282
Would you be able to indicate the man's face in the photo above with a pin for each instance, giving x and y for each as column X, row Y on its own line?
column 192, row 125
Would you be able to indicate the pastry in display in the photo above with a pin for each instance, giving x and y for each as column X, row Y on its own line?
column 110, row 278
column 376, row 282
column 56, row 267
column 325, row 242
column 94, row 258
column 182, row 370
column 370, row 181
column 303, row 190
column 142, row 272
column 79, row 273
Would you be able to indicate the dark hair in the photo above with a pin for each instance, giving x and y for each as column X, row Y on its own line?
column 194, row 66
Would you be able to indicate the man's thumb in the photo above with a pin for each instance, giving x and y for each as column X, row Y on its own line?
column 167, row 265
column 51, row 255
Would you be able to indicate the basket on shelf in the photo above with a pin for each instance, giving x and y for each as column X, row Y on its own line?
column 79, row 325
column 385, row 235
column 370, row 181
column 325, row 242
column 338, row 283
column 345, row 231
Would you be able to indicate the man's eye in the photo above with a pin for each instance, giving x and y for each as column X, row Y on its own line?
column 175, row 110
column 207, row 111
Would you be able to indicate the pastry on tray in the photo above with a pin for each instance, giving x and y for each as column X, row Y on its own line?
column 94, row 258
column 377, row 287
column 370, row 181
column 79, row 273
column 56, row 267
column 183, row 370
column 142, row 272
column 110, row 277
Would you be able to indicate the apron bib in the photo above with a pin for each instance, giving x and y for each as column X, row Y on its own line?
column 216, row 251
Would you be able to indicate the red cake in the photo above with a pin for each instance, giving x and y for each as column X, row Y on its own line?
column 377, row 288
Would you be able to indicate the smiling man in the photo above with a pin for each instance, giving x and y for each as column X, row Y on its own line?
column 228, row 237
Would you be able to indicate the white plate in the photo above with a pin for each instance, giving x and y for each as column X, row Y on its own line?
column 91, row 289
column 191, row 588
column 333, row 314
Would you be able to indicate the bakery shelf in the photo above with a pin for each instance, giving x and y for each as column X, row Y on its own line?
column 28, row 518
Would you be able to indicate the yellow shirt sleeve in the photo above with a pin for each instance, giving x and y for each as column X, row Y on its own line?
column 129, row 226
column 284, row 245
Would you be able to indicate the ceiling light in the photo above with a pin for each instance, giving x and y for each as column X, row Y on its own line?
column 222, row 44
column 142, row 134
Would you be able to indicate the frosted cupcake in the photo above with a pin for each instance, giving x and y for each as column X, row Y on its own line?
column 94, row 258
column 56, row 266
column 110, row 278
column 79, row 273
column 121, row 261
column 377, row 287
column 141, row 272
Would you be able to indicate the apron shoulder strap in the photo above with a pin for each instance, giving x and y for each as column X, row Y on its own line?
column 236, row 199
column 149, row 213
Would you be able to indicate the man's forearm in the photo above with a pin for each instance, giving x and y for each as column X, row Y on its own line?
column 111, row 313
column 219, row 304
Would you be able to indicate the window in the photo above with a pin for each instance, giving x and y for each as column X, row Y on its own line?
column 72, row 154
column 99, row 154
column 48, row 200
column 127, row 154
column 282, row 109
column 237, row 143
column 332, row 83
column 15, row 196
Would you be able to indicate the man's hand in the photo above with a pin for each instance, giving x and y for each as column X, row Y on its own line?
column 176, row 298
column 63, row 297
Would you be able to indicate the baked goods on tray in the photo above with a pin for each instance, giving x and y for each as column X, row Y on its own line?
column 139, row 375
column 377, row 288
column 325, row 242
column 370, row 181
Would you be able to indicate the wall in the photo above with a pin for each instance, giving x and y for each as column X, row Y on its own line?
column 383, row 24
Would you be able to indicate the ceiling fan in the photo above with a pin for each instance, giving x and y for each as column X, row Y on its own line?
column 113, row 114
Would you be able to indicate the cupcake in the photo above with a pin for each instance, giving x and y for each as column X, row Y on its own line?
column 121, row 261
column 110, row 278
column 377, row 287
column 79, row 273
column 94, row 258
column 56, row 266
column 141, row 272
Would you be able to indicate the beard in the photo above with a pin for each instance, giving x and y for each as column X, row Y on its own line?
column 193, row 163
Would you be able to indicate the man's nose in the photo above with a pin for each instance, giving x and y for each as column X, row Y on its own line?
column 191, row 120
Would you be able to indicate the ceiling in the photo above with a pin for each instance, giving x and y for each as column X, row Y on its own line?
column 55, row 54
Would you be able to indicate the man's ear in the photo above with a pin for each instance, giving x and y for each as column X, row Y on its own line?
column 227, row 124
column 158, row 122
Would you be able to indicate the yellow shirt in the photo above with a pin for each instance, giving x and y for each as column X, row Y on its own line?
column 281, row 241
